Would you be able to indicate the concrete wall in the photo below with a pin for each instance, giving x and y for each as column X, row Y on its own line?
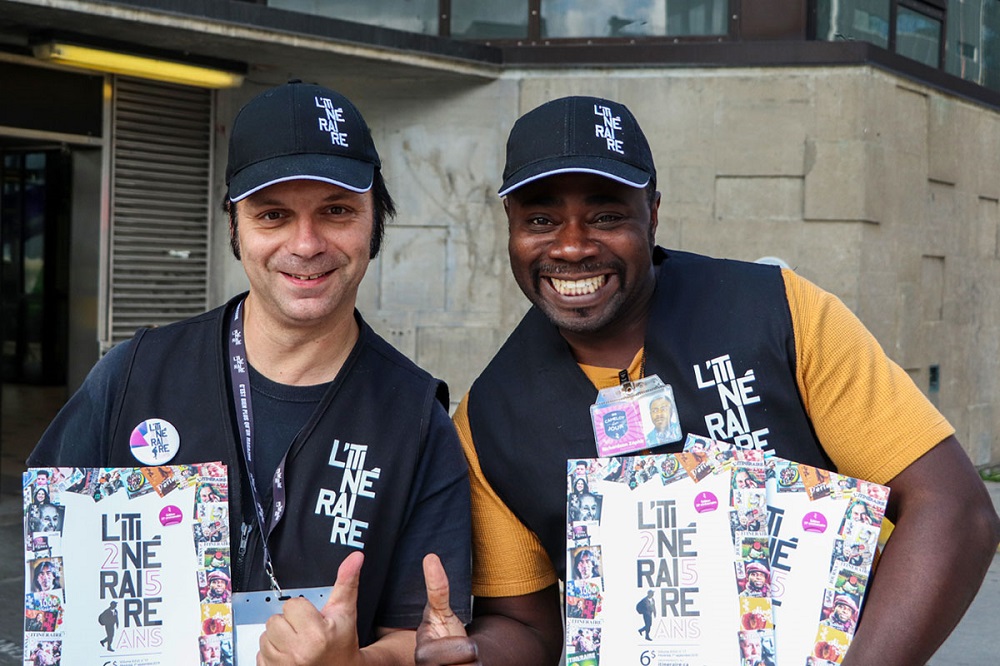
column 881, row 191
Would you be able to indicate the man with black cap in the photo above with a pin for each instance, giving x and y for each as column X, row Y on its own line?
column 755, row 355
column 290, row 387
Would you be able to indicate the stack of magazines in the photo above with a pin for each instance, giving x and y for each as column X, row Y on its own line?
column 716, row 555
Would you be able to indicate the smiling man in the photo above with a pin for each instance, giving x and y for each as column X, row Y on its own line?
column 812, row 383
column 664, row 429
column 320, row 468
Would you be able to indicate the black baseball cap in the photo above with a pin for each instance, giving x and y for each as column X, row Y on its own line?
column 577, row 134
column 299, row 131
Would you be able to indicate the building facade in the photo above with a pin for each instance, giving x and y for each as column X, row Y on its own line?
column 857, row 142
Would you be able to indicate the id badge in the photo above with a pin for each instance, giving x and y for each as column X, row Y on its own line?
column 635, row 416
column 250, row 613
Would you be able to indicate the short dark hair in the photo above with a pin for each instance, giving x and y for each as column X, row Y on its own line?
column 384, row 209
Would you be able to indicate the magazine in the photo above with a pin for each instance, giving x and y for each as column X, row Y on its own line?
column 129, row 566
column 824, row 532
column 820, row 543
column 652, row 567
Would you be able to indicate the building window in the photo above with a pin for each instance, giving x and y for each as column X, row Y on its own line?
column 567, row 19
column 970, row 30
column 617, row 19
column 850, row 20
column 419, row 16
column 918, row 36
column 912, row 28
column 973, row 41
column 697, row 17
column 487, row 20
column 962, row 37
column 484, row 20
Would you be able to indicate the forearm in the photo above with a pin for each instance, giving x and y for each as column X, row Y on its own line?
column 394, row 647
column 928, row 575
column 502, row 641
column 513, row 631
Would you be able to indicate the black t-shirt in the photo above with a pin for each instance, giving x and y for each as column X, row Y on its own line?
column 279, row 412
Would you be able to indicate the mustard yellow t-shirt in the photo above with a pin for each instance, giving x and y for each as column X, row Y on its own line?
column 871, row 418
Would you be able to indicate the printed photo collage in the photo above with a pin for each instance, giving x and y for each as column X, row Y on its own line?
column 853, row 555
column 44, row 593
column 584, row 579
column 46, row 586
column 211, row 537
column 749, row 519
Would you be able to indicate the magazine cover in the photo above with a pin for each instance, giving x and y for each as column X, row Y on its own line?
column 821, row 533
column 129, row 566
column 823, row 536
column 652, row 563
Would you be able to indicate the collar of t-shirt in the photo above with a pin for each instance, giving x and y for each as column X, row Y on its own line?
column 603, row 378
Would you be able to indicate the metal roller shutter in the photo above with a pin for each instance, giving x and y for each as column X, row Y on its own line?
column 159, row 205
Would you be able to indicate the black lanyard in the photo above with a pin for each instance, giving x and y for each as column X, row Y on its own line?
column 239, row 372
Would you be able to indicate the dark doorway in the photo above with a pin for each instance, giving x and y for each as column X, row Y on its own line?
column 35, row 206
column 34, row 239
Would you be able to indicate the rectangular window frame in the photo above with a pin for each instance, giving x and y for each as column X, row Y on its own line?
column 534, row 33
column 935, row 9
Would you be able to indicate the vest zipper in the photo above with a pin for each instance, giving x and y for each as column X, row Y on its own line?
column 245, row 530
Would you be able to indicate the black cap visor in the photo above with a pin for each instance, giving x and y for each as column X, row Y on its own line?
column 354, row 175
column 609, row 168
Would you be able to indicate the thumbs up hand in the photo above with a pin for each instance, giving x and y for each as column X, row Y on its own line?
column 441, row 636
column 303, row 634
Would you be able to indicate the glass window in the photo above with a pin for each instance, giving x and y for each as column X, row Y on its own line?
column 697, row 17
column 973, row 51
column 991, row 45
column 33, row 194
column 918, row 36
column 862, row 20
column 420, row 16
column 634, row 18
column 615, row 18
column 964, row 52
column 487, row 19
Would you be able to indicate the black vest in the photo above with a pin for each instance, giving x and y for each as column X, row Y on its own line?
column 179, row 373
column 719, row 332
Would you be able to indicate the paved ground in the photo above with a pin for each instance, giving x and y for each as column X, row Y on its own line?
column 11, row 580
column 972, row 644
column 974, row 641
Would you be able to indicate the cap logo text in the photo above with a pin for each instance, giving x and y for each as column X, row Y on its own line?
column 331, row 121
column 608, row 127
